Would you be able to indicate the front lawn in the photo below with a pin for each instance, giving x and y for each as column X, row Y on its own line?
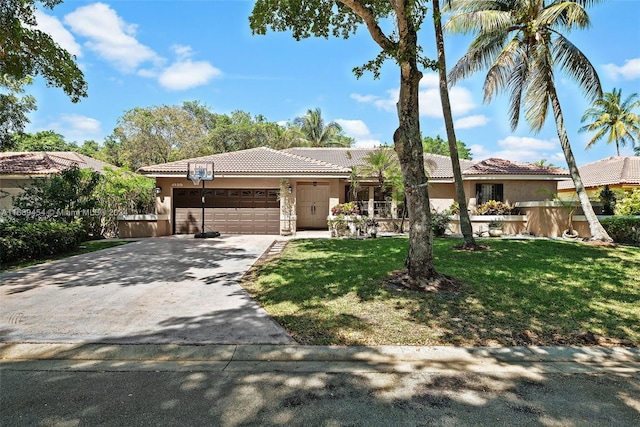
column 519, row 292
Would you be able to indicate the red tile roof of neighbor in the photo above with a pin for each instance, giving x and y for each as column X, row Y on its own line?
column 495, row 166
column 340, row 161
column 609, row 171
column 46, row 162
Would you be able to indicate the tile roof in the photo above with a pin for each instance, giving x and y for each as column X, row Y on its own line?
column 495, row 166
column 46, row 162
column 340, row 161
column 344, row 157
column 260, row 160
column 609, row 171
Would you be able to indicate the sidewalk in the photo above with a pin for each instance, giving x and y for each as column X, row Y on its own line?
column 297, row 358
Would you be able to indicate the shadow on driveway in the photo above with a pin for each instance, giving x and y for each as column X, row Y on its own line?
column 144, row 291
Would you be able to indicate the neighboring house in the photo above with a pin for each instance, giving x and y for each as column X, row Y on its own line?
column 18, row 170
column 244, row 197
column 619, row 173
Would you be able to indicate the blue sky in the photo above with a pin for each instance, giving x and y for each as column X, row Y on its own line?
column 142, row 53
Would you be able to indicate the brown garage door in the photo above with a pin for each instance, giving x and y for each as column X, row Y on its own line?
column 229, row 211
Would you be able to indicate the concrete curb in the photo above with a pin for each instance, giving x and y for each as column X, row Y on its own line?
column 300, row 353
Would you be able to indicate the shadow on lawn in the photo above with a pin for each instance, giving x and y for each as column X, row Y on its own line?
column 531, row 292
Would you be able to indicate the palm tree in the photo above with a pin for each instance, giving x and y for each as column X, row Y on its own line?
column 315, row 133
column 465, row 221
column 520, row 42
column 381, row 164
column 613, row 118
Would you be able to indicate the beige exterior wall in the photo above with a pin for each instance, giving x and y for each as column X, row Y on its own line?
column 514, row 191
column 441, row 195
column 9, row 187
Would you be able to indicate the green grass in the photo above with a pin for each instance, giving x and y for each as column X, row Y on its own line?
column 518, row 292
column 85, row 247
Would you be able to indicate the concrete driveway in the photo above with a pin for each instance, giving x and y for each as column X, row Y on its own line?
column 161, row 290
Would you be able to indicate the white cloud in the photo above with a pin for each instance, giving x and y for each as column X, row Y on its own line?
column 429, row 98
column 471, row 122
column 52, row 26
column 186, row 74
column 629, row 71
column 358, row 130
column 353, row 128
column 110, row 36
column 521, row 149
column 460, row 98
column 76, row 128
column 524, row 142
column 363, row 98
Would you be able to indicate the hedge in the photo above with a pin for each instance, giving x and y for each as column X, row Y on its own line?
column 22, row 241
column 623, row 229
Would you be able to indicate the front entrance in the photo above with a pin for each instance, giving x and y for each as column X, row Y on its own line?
column 312, row 205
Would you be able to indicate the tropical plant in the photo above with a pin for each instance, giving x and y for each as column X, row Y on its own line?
column 65, row 197
column 493, row 207
column 402, row 19
column 349, row 208
column 121, row 192
column 608, row 199
column 382, row 165
column 613, row 118
column 439, row 222
column 629, row 204
column 520, row 42
column 316, row 133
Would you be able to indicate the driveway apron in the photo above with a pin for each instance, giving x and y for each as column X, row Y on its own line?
column 160, row 290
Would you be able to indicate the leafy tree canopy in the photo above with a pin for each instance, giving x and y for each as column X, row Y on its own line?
column 14, row 108
column 47, row 140
column 26, row 51
column 439, row 146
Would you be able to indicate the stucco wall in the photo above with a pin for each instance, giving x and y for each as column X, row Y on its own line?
column 10, row 187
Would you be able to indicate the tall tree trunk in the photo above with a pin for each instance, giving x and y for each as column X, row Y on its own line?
column 465, row 221
column 408, row 146
column 597, row 230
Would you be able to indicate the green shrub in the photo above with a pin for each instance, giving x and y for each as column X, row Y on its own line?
column 21, row 241
column 623, row 229
column 439, row 222
column 629, row 205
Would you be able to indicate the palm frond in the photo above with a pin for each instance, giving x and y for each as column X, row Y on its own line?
column 481, row 55
column 540, row 85
column 571, row 60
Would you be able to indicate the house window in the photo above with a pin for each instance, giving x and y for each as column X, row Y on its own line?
column 486, row 192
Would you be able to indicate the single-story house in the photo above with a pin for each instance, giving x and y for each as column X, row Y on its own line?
column 619, row 173
column 245, row 195
column 19, row 169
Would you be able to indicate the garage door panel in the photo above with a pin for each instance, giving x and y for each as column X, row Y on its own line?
column 229, row 220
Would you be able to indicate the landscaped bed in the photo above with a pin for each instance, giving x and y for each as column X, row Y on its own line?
column 518, row 292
